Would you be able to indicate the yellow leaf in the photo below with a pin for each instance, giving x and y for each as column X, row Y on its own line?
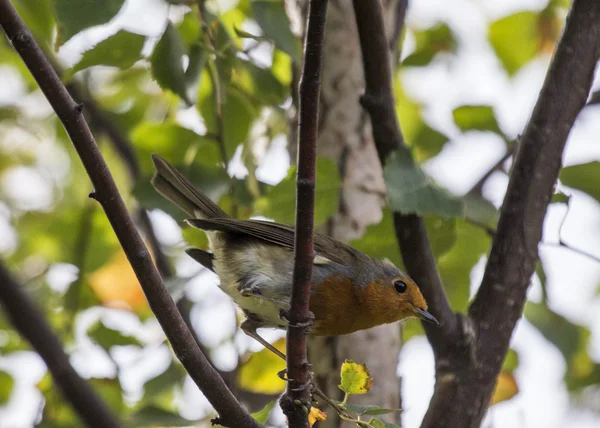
column 506, row 388
column 356, row 378
column 316, row 415
column 259, row 373
column 116, row 285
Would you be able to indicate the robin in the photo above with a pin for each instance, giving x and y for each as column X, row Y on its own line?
column 254, row 260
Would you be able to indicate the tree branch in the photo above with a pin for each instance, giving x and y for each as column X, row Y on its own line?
column 70, row 113
column 461, row 401
column 514, row 251
column 299, row 315
column 31, row 325
column 378, row 100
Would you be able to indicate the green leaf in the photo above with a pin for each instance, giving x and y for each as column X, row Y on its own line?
column 273, row 20
column 189, row 28
column 584, row 177
column 516, row 39
column 76, row 15
column 166, row 63
column 571, row 339
column 427, row 142
column 151, row 416
column 120, row 50
column 442, row 234
column 280, row 203
column 259, row 373
column 107, row 337
column 261, row 83
column 556, row 328
column 197, row 57
column 476, row 118
column 541, row 274
column 110, row 392
column 379, row 240
column 246, row 35
column 263, row 415
column 560, row 198
column 429, row 43
column 355, row 378
column 379, row 423
column 481, row 211
column 410, row 191
column 511, row 362
column 369, row 409
column 7, row 384
column 175, row 143
column 51, row 235
column 472, row 243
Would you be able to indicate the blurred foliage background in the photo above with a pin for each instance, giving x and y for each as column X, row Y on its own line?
column 208, row 86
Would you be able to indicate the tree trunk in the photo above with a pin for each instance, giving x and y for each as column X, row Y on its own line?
column 345, row 136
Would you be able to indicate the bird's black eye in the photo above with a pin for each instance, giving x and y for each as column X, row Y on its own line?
column 400, row 286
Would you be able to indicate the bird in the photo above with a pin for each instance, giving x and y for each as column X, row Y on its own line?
column 254, row 260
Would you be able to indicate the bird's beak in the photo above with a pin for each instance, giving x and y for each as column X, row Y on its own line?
column 424, row 315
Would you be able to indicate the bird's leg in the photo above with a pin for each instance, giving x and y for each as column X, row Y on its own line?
column 249, row 327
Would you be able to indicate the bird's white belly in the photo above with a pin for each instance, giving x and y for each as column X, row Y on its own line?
column 267, row 311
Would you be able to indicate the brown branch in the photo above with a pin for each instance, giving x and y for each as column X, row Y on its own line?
column 378, row 100
column 70, row 114
column 100, row 123
column 31, row 325
column 463, row 399
column 297, row 400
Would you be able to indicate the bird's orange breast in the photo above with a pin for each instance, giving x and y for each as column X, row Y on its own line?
column 341, row 308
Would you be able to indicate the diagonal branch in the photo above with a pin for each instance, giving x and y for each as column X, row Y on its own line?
column 378, row 100
column 30, row 323
column 70, row 114
column 514, row 252
column 299, row 315
column 462, row 393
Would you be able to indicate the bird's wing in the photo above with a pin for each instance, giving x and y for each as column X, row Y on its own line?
column 282, row 235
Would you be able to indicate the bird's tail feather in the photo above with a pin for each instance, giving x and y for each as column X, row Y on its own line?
column 175, row 187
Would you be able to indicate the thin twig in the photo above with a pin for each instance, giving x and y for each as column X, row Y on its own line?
column 99, row 121
column 31, row 325
column 562, row 244
column 70, row 114
column 297, row 400
column 478, row 187
column 378, row 100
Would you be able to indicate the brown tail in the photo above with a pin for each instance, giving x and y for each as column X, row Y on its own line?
column 175, row 187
